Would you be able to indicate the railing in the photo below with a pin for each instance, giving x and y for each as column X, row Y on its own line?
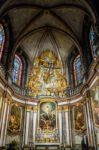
column 67, row 93
column 73, row 91
column 25, row 92
column 19, row 90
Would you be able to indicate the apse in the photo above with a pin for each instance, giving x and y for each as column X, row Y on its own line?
column 49, row 75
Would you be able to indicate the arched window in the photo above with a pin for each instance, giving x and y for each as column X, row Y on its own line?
column 93, row 40
column 77, row 67
column 2, row 40
column 17, row 70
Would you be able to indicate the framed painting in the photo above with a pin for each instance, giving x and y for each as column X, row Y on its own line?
column 79, row 117
column 15, row 119
column 47, row 120
column 95, row 106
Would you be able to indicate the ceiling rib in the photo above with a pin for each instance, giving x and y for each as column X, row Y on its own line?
column 69, row 28
column 38, row 7
column 44, row 28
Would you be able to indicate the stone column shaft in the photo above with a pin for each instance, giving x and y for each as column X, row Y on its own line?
column 27, row 127
column 4, row 123
column 34, row 125
column 67, row 128
column 90, row 125
column 60, row 126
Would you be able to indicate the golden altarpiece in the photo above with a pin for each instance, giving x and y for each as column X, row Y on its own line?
column 46, row 82
column 48, row 116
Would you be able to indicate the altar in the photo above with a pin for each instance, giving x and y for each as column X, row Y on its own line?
column 47, row 146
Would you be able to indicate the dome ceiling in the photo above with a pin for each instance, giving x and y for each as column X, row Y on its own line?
column 38, row 25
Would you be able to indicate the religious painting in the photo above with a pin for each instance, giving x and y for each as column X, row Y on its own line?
column 79, row 118
column 15, row 119
column 96, row 112
column 47, row 116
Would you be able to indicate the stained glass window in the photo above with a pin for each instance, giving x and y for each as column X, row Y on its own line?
column 77, row 70
column 2, row 40
column 17, row 70
column 93, row 40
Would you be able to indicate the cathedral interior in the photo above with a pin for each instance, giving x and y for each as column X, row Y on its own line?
column 49, row 74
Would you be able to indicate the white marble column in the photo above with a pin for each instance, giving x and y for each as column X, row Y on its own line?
column 6, row 125
column 1, row 115
column 27, row 127
column 31, row 127
column 90, row 125
column 67, row 127
column 60, row 123
column 4, row 122
column 34, row 123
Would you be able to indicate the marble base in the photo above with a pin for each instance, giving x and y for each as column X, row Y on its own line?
column 47, row 146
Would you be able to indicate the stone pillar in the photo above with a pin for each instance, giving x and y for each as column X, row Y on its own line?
column 30, row 123
column 67, row 125
column 63, row 128
column 31, row 120
column 90, row 123
column 60, row 123
column 71, row 127
column 26, row 131
column 34, row 123
column 1, row 107
column 4, row 119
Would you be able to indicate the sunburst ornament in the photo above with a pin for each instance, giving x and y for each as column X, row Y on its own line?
column 46, row 76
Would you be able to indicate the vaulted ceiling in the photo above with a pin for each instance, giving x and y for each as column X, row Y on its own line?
column 44, row 24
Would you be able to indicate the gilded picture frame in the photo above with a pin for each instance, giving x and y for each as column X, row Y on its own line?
column 95, row 108
column 15, row 119
column 47, row 115
column 79, row 118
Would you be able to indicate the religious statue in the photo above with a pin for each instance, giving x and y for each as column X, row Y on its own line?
column 46, row 75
